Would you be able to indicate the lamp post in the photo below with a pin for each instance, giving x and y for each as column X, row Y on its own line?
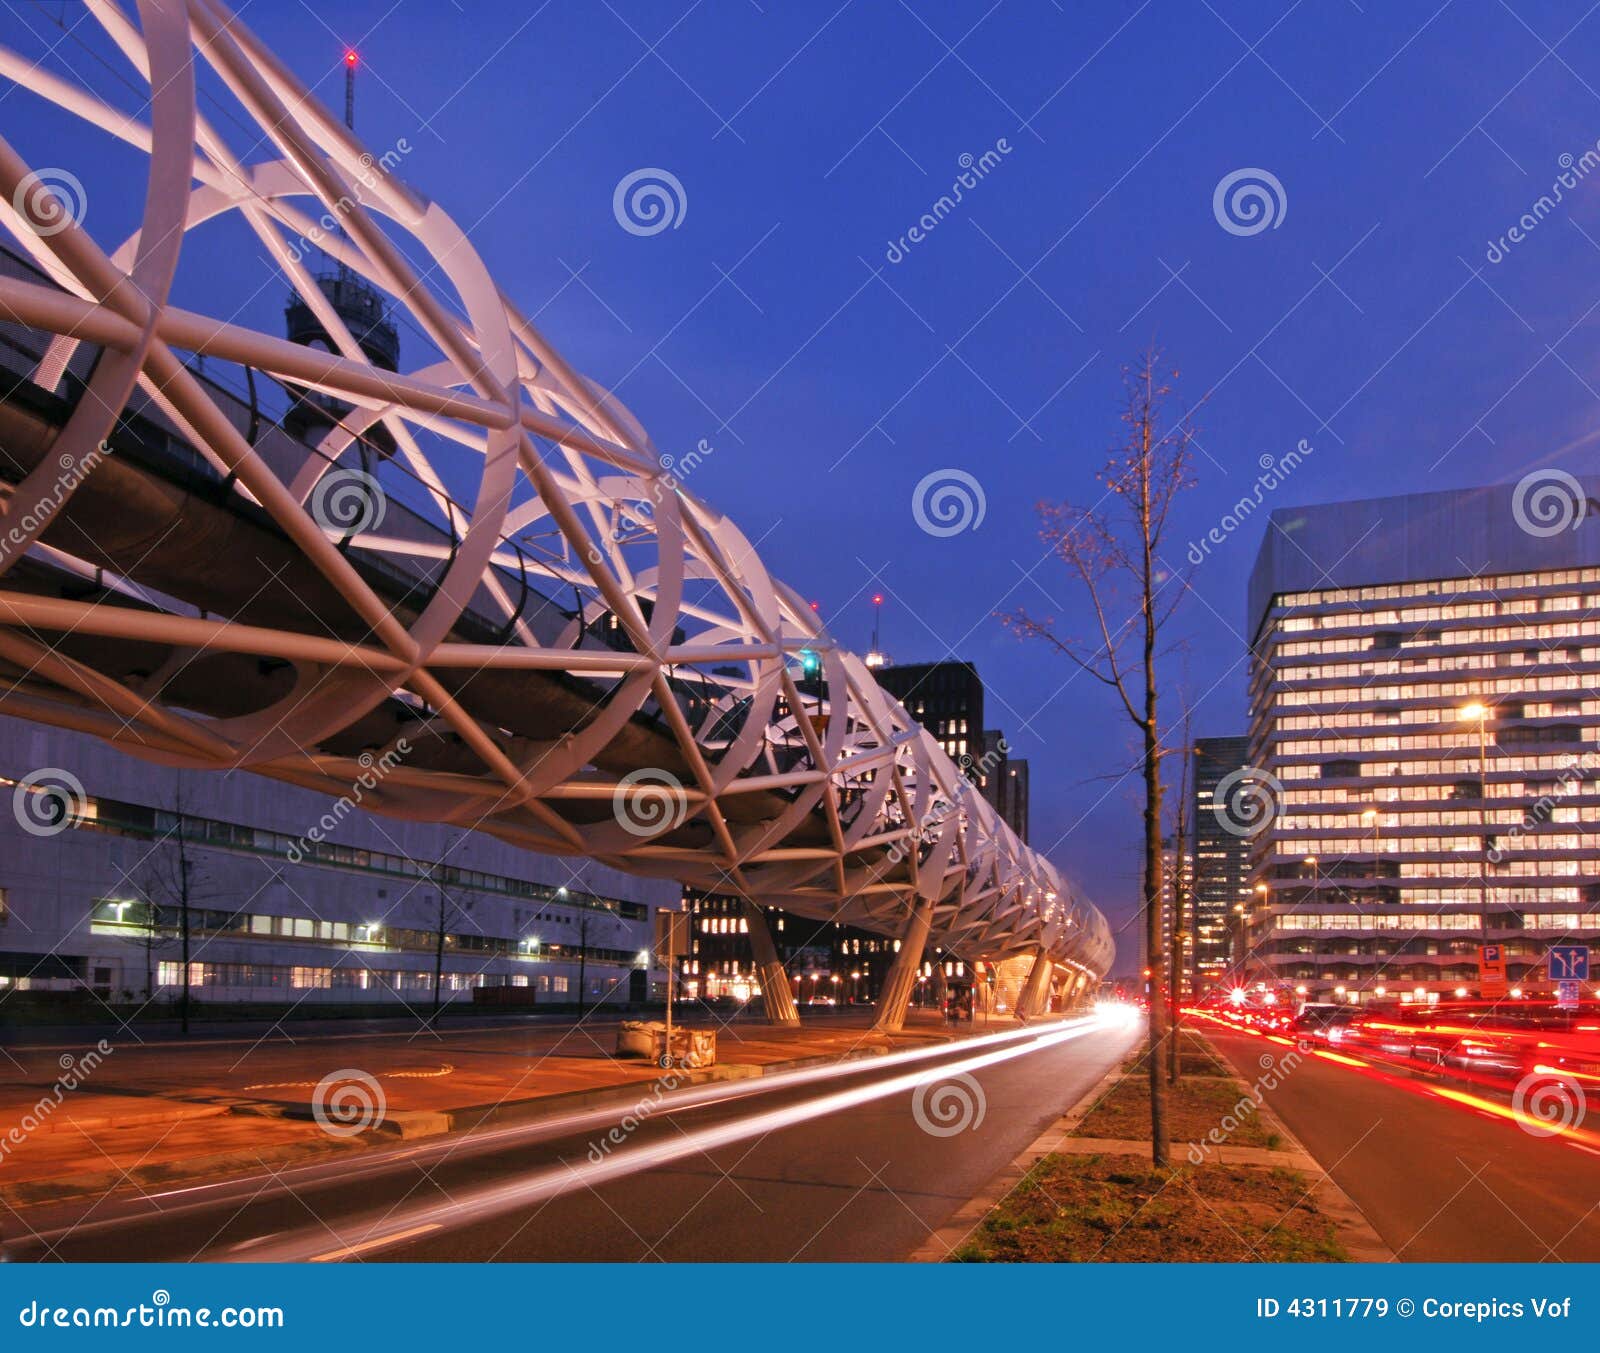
column 1479, row 712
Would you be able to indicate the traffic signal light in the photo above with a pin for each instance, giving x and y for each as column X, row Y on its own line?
column 810, row 662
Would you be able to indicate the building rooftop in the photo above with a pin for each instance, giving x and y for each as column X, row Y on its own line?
column 1548, row 519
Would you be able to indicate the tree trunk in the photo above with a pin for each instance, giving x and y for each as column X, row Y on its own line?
column 183, row 923
column 583, row 963
column 438, row 959
column 1159, row 1146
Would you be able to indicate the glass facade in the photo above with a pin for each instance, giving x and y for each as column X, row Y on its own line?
column 1429, row 749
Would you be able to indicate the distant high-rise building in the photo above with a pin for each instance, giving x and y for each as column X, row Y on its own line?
column 1222, row 859
column 947, row 699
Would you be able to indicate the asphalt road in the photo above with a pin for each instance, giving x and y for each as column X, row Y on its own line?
column 1438, row 1180
column 731, row 1175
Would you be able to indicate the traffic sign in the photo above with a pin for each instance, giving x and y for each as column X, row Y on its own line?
column 1569, row 962
column 1492, row 969
column 1568, row 995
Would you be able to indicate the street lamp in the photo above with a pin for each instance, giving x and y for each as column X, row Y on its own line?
column 1479, row 712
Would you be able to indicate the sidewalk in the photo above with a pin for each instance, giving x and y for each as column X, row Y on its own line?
column 73, row 1124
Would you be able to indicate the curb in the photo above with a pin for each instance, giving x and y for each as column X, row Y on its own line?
column 944, row 1241
column 1350, row 1224
column 1355, row 1232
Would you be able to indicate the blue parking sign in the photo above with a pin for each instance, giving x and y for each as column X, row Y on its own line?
column 1569, row 962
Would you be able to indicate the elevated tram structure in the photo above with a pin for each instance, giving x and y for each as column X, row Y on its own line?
column 478, row 573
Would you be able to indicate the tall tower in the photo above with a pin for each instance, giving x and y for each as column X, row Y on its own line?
column 360, row 307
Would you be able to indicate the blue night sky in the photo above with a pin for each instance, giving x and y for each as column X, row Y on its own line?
column 1368, row 321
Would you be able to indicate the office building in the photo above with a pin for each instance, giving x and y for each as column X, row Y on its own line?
column 1221, row 859
column 1424, row 721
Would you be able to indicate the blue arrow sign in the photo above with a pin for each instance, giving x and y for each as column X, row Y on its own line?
column 1569, row 962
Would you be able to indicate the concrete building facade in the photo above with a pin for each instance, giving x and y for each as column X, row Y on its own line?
column 292, row 898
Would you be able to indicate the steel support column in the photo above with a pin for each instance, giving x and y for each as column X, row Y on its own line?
column 1036, row 989
column 895, row 998
column 775, row 993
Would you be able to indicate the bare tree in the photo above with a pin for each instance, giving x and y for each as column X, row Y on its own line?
column 1115, row 555
column 1183, row 868
column 173, row 882
column 449, row 912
